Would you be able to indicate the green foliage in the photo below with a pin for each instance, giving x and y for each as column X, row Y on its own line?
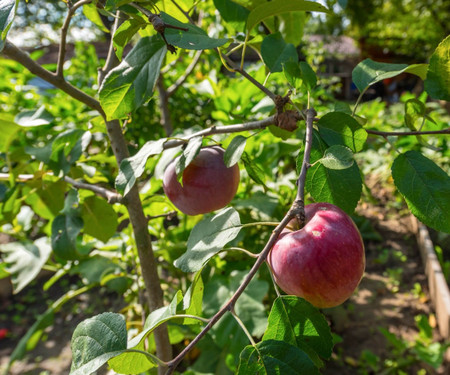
column 50, row 139
column 208, row 237
column 426, row 188
column 125, row 89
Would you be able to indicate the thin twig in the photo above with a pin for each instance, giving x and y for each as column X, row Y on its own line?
column 16, row 54
column 64, row 30
column 240, row 70
column 224, row 129
column 111, row 60
column 111, row 196
column 243, row 327
column 400, row 134
column 172, row 88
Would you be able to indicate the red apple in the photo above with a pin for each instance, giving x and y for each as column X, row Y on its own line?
column 324, row 261
column 207, row 183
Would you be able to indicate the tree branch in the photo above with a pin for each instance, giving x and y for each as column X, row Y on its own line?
column 111, row 60
column 24, row 59
column 64, row 30
column 310, row 114
column 166, row 118
column 399, row 134
column 111, row 196
column 225, row 129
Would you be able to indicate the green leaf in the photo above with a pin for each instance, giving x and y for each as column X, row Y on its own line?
column 425, row 187
column 66, row 228
column 208, row 237
column 131, row 84
column 189, row 153
column 195, row 38
column 340, row 187
column 94, row 268
column 261, row 12
column 91, row 13
column 193, row 300
column 368, row 72
column 275, row 52
column 437, row 83
column 293, row 73
column 275, row 357
column 25, row 260
column 291, row 25
column 337, row 157
column 124, row 33
column 231, row 12
column 47, row 200
column 234, row 150
column 296, row 322
column 35, row 117
column 7, row 13
column 414, row 109
column 338, row 128
column 253, row 170
column 132, row 168
column 308, row 75
column 95, row 341
column 9, row 130
column 100, row 219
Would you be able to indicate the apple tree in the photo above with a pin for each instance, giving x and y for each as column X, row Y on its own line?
column 168, row 171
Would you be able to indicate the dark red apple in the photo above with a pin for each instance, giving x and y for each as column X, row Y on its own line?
column 324, row 261
column 207, row 183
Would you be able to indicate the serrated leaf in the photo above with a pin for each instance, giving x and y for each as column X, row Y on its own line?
column 253, row 170
column 261, row 12
column 275, row 52
column 24, row 260
column 425, row 187
column 95, row 341
column 208, row 237
column 36, row 117
column 131, row 84
column 194, row 38
column 275, row 357
column 296, row 322
column 340, row 187
column 234, row 150
column 368, row 72
column 189, row 153
column 7, row 13
column 337, row 157
column 437, row 83
column 337, row 128
column 100, row 219
column 132, row 168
